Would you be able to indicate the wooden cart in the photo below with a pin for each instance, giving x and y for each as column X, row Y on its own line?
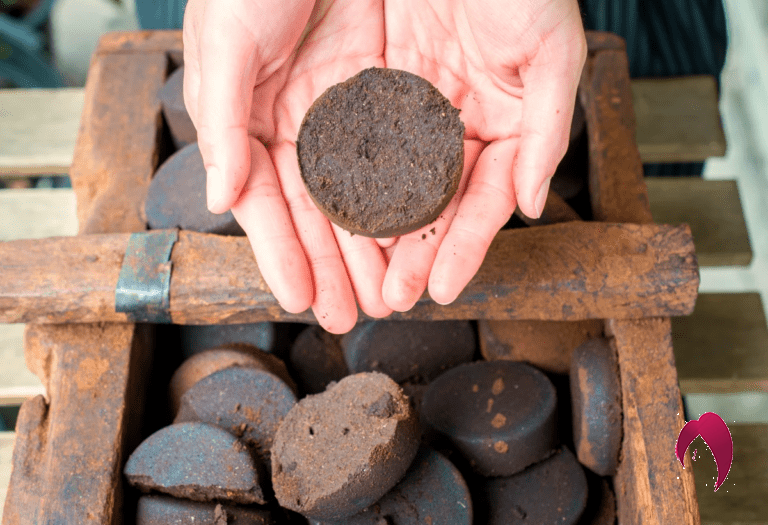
column 95, row 363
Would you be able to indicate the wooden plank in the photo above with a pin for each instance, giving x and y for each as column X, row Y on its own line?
column 678, row 119
column 562, row 272
column 165, row 41
column 651, row 486
column 712, row 208
column 38, row 128
column 68, row 453
column 7, row 439
column 68, row 458
column 741, row 499
column 616, row 184
column 117, row 149
column 723, row 346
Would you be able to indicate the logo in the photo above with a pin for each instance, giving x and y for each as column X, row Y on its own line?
column 716, row 435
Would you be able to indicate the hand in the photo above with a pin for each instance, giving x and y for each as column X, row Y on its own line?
column 253, row 68
column 512, row 67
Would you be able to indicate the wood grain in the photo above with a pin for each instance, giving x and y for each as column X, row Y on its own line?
column 712, row 208
column 650, row 486
column 561, row 272
column 741, row 499
column 69, row 450
column 723, row 346
column 126, row 42
column 76, row 440
column 616, row 185
column 38, row 128
column 678, row 119
column 117, row 149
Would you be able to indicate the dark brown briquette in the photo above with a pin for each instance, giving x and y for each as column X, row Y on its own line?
column 165, row 510
column 432, row 491
column 553, row 491
column 601, row 502
column 171, row 96
column 208, row 362
column 317, row 360
column 596, row 406
column 248, row 402
column 499, row 415
column 338, row 452
column 382, row 153
column 198, row 338
column 547, row 345
column 195, row 461
column 176, row 197
column 571, row 174
column 409, row 350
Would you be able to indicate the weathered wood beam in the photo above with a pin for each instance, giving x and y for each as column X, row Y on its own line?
column 560, row 272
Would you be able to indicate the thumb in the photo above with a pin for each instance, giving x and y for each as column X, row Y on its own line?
column 227, row 62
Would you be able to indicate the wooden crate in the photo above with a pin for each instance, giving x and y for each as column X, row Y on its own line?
column 71, row 445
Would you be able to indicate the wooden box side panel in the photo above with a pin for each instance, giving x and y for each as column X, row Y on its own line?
column 651, row 486
column 69, row 454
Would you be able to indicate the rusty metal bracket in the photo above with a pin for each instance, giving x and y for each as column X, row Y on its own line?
column 144, row 287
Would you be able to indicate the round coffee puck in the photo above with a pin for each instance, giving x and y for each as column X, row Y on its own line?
column 432, row 491
column 171, row 96
column 164, row 510
column 248, row 402
column 552, row 491
column 338, row 452
column 500, row 415
column 409, row 350
column 596, row 404
column 176, row 197
column 382, row 153
column 195, row 461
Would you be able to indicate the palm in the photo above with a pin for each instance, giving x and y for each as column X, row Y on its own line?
column 341, row 39
column 494, row 61
column 512, row 70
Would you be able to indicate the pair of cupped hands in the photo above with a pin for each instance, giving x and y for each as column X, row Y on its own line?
column 253, row 69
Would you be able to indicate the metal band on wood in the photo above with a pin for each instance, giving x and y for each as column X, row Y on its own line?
column 144, row 286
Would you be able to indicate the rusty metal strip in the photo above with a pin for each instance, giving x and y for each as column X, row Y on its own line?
column 144, row 287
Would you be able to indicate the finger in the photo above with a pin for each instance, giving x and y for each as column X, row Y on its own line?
column 191, row 83
column 386, row 242
column 227, row 77
column 487, row 204
column 366, row 267
column 550, row 84
column 334, row 301
column 263, row 214
column 411, row 263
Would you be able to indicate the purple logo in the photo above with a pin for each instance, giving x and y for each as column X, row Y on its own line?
column 716, row 435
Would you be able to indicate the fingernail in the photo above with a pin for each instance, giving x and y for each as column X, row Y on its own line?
column 214, row 188
column 541, row 197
